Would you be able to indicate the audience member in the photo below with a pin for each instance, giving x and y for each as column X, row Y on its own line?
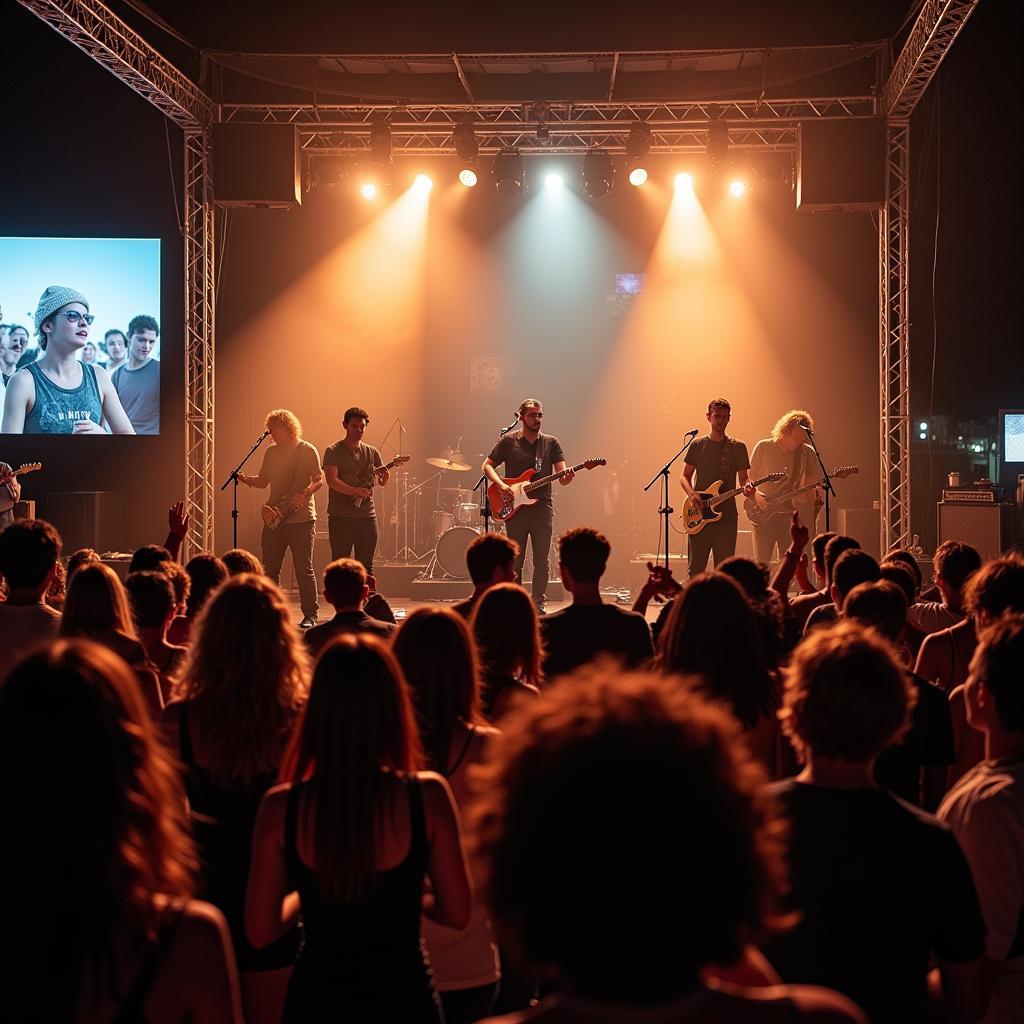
column 490, row 559
column 151, row 597
column 205, row 574
column 852, row 567
column 181, row 582
column 238, row 560
column 588, row 627
column 434, row 648
column 349, row 840
column 628, row 848
column 915, row 768
column 803, row 604
column 83, row 556
column 149, row 558
column 712, row 632
column 954, row 563
column 881, row 886
column 898, row 572
column 777, row 630
column 57, row 591
column 377, row 606
column 508, row 639
column 99, row 866
column 29, row 552
column 346, row 587
column 904, row 557
column 986, row 808
column 241, row 692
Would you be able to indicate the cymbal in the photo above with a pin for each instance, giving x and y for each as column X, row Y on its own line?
column 451, row 464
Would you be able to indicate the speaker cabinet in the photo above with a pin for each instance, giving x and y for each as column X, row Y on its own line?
column 841, row 165
column 863, row 524
column 87, row 519
column 256, row 165
column 988, row 528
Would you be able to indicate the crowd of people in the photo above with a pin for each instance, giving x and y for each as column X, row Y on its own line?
column 795, row 796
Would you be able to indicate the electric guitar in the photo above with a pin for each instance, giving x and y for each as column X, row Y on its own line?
column 6, row 501
column 504, row 505
column 759, row 516
column 274, row 515
column 694, row 521
column 398, row 460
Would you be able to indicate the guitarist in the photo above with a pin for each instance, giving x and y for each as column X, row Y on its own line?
column 291, row 469
column 716, row 456
column 350, row 466
column 527, row 448
column 10, row 491
column 787, row 449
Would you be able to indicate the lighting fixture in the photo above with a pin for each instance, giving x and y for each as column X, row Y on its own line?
column 598, row 173
column 509, row 175
column 638, row 146
column 468, row 177
column 380, row 143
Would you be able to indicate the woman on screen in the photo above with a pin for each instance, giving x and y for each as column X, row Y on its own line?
column 60, row 394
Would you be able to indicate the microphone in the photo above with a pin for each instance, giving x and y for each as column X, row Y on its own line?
column 692, row 433
column 515, row 420
column 402, row 426
column 806, row 429
column 264, row 435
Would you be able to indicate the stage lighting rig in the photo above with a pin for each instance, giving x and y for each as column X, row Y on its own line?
column 598, row 173
column 638, row 146
column 380, row 143
column 467, row 149
column 509, row 174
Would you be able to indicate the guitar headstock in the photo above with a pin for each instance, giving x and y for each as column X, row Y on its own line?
column 592, row 463
column 29, row 467
column 400, row 460
column 772, row 478
column 844, row 471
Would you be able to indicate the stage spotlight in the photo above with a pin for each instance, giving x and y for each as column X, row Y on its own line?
column 509, row 175
column 598, row 173
column 468, row 177
column 423, row 183
column 684, row 182
column 737, row 188
column 368, row 190
column 638, row 145
column 380, row 143
column 554, row 180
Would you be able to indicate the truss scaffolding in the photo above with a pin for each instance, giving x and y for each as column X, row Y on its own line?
column 676, row 126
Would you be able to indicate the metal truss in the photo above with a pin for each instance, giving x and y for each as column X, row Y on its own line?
column 894, row 341
column 97, row 31
column 200, row 312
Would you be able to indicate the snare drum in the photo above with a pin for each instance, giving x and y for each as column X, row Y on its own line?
column 440, row 522
column 451, row 550
column 467, row 513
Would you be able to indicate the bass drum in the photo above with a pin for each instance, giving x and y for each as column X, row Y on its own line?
column 451, row 550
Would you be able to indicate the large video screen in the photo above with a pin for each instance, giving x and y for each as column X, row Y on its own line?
column 1013, row 435
column 80, row 335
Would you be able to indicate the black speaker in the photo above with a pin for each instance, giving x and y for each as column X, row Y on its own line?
column 841, row 165
column 989, row 528
column 87, row 519
column 256, row 165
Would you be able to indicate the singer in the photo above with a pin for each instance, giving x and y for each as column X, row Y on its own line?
column 521, row 450
column 291, row 469
column 785, row 450
column 716, row 456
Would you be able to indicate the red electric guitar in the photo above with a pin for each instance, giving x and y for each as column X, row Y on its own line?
column 504, row 505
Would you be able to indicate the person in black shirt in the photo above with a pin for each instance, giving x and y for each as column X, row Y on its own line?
column 350, row 466
column 527, row 449
column 346, row 587
column 589, row 627
column 490, row 559
column 715, row 457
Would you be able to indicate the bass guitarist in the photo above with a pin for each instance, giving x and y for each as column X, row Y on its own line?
column 291, row 469
column 786, row 451
column 10, row 495
column 716, row 456
column 520, row 450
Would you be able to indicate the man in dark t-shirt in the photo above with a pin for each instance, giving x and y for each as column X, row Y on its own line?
column 347, row 588
column 351, row 467
column 716, row 456
column 521, row 450
column 589, row 627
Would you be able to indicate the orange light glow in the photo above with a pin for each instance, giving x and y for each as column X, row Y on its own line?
column 423, row 183
column 368, row 190
column 468, row 177
column 684, row 182
column 737, row 188
column 638, row 176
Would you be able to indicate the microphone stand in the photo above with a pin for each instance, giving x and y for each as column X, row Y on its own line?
column 233, row 479
column 830, row 491
column 481, row 484
column 666, row 510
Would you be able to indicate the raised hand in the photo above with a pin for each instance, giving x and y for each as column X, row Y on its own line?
column 798, row 533
column 177, row 520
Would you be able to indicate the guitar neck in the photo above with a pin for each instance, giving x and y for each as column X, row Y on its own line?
column 545, row 480
column 726, row 495
column 794, row 493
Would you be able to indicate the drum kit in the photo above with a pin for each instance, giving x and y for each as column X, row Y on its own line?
column 454, row 522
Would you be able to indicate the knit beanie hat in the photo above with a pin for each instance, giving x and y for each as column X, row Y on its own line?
column 53, row 298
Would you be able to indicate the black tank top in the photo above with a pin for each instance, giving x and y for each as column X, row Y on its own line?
column 223, row 816
column 363, row 960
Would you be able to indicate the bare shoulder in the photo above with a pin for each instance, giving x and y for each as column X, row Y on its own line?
column 823, row 1006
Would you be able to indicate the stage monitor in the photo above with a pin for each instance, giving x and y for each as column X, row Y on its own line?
column 92, row 365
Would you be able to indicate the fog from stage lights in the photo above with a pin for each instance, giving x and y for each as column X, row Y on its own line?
column 368, row 191
column 467, row 177
column 423, row 183
column 638, row 176
column 554, row 180
column 684, row 181
column 737, row 189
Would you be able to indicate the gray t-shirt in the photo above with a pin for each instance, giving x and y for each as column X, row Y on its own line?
column 356, row 469
column 768, row 457
column 289, row 470
column 139, row 391
column 718, row 460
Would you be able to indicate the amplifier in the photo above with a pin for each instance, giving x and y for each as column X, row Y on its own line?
column 973, row 495
column 985, row 527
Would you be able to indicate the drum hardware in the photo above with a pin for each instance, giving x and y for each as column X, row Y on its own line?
column 450, row 459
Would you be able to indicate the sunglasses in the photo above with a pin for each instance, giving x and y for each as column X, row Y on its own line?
column 74, row 316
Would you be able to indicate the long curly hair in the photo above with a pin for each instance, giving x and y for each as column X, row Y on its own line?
column 245, row 679
column 96, row 602
column 96, row 826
